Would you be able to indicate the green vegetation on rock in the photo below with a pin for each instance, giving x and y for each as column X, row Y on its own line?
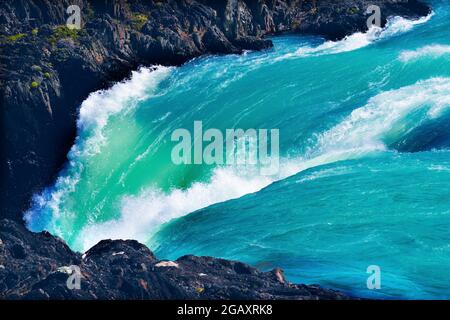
column 138, row 20
column 15, row 37
column 353, row 10
column 63, row 32
column 34, row 85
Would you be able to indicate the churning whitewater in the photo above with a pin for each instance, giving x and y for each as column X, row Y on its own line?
column 364, row 172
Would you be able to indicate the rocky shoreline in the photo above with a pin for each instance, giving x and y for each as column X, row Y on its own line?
column 36, row 266
column 47, row 70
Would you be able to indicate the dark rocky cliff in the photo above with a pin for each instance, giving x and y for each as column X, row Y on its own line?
column 37, row 266
column 47, row 70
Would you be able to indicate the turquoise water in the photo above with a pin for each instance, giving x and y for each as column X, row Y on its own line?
column 364, row 174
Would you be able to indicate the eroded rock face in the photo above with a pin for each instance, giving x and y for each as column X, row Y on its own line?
column 37, row 266
column 46, row 72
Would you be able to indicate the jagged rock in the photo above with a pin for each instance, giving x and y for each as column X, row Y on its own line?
column 129, row 270
column 46, row 73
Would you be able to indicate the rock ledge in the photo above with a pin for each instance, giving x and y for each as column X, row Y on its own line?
column 36, row 266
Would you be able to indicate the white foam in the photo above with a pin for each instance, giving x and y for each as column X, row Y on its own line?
column 360, row 133
column 94, row 114
column 431, row 51
column 142, row 214
column 399, row 25
column 99, row 106
column 366, row 127
column 395, row 26
column 353, row 42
